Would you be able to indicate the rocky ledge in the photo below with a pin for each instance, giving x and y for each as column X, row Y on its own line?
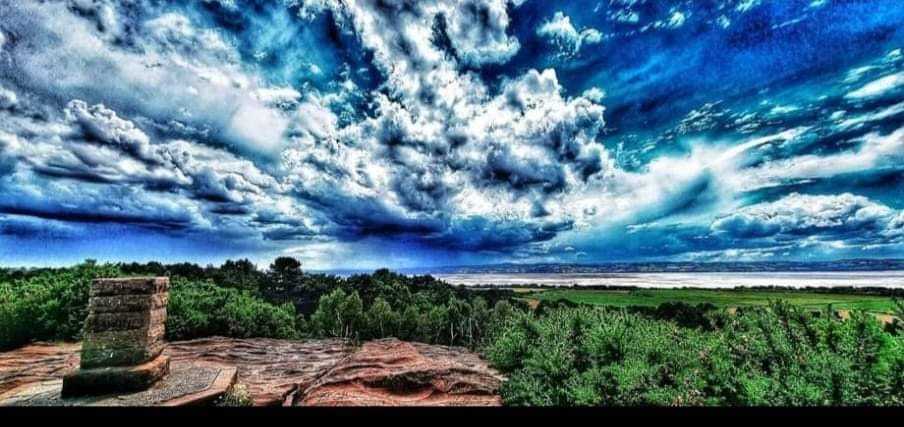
column 386, row 372
column 390, row 372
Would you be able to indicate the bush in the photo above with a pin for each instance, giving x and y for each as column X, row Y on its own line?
column 51, row 305
column 237, row 396
column 776, row 356
column 338, row 315
column 237, row 300
column 455, row 321
column 200, row 309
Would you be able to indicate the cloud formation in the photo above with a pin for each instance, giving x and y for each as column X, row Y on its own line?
column 439, row 128
column 560, row 31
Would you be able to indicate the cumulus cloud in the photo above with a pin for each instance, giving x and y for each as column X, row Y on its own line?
column 560, row 31
column 806, row 214
column 104, row 125
column 484, row 43
column 178, row 73
column 441, row 147
column 163, row 117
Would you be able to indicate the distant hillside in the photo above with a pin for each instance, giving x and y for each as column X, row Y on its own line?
column 669, row 267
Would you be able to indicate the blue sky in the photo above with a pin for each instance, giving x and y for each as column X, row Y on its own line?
column 362, row 134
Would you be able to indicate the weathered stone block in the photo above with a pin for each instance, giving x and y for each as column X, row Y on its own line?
column 111, row 380
column 133, row 337
column 129, row 286
column 124, row 337
column 128, row 303
column 123, row 321
column 96, row 355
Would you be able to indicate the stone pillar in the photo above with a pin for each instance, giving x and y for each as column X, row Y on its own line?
column 121, row 350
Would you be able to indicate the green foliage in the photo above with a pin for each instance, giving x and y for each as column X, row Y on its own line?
column 872, row 300
column 455, row 322
column 381, row 320
column 50, row 305
column 561, row 354
column 779, row 355
column 235, row 299
column 237, row 396
column 338, row 315
column 200, row 309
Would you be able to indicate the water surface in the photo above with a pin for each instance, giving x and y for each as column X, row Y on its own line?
column 886, row 279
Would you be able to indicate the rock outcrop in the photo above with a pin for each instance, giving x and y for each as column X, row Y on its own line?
column 312, row 372
column 390, row 372
column 36, row 363
column 270, row 369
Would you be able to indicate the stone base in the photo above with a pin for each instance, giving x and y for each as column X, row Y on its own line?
column 100, row 381
column 188, row 383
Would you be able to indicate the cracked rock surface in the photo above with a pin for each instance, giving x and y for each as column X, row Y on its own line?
column 329, row 372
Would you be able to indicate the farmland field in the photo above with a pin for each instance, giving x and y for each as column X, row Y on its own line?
column 721, row 298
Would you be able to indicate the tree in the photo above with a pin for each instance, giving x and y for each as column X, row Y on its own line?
column 241, row 274
column 410, row 324
column 283, row 276
column 435, row 326
column 382, row 321
column 458, row 316
column 338, row 315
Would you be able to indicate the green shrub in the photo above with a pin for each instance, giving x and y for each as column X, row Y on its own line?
column 200, row 309
column 455, row 321
column 338, row 315
column 776, row 356
column 51, row 305
column 237, row 396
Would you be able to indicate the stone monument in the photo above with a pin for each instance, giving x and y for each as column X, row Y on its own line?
column 122, row 357
column 124, row 338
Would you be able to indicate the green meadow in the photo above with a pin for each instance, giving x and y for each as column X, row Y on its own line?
column 725, row 298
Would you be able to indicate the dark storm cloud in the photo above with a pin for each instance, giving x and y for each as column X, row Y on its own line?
column 27, row 226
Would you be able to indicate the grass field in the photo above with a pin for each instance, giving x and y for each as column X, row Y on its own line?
column 720, row 298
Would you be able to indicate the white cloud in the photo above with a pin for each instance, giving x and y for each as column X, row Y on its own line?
column 560, row 31
column 175, row 32
column 747, row 5
column 441, row 149
column 8, row 98
column 876, row 152
column 101, row 11
column 440, row 156
column 878, row 87
column 676, row 19
column 806, row 214
column 103, row 124
column 182, row 75
column 483, row 43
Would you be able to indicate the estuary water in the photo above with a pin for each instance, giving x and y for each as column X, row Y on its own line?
column 886, row 279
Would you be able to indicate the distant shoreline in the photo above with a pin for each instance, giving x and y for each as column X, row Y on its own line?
column 679, row 280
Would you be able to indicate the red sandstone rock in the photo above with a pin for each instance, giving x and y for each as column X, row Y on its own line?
column 270, row 369
column 313, row 372
column 390, row 372
column 36, row 363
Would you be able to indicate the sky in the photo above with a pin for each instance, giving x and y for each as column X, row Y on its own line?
column 418, row 133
